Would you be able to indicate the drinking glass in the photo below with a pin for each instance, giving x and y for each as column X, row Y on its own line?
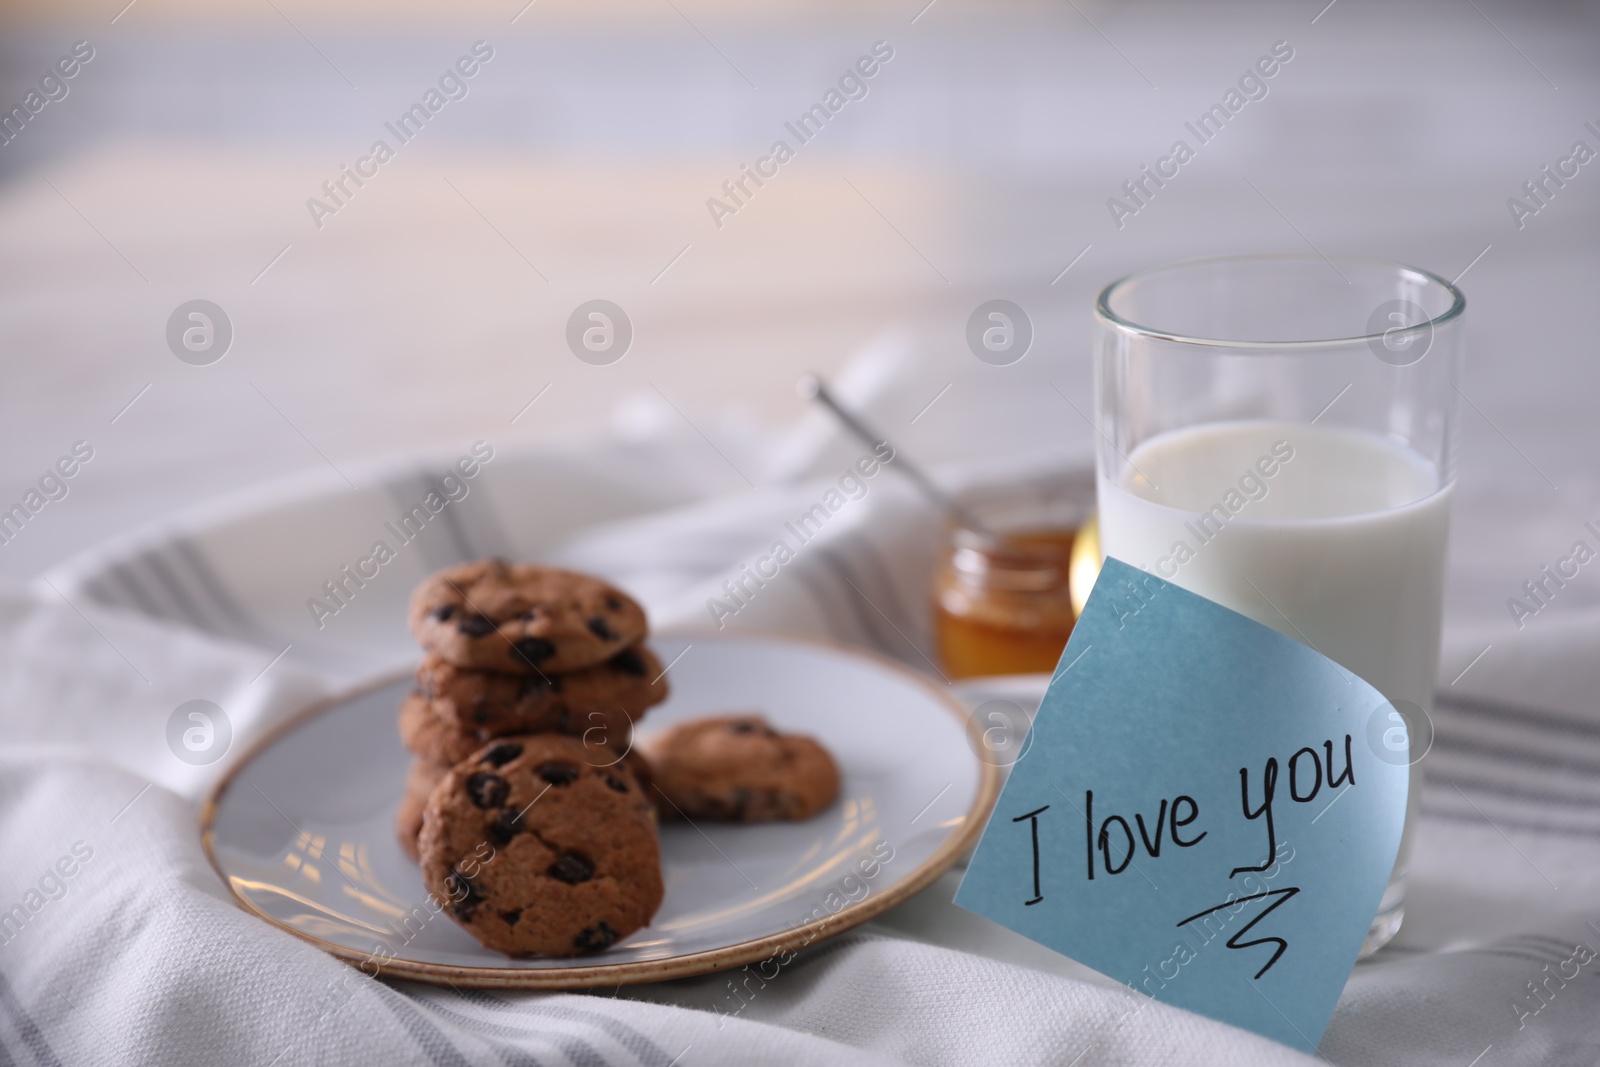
column 1278, row 434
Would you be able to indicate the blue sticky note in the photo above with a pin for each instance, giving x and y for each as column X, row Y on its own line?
column 1205, row 810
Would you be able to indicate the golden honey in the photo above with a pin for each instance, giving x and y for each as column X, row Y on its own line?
column 1002, row 602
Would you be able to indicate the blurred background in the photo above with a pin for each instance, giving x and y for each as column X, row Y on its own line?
column 430, row 309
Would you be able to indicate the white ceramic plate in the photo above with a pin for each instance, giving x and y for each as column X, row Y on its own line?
column 302, row 830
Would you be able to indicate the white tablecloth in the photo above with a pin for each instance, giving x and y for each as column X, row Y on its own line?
column 141, row 958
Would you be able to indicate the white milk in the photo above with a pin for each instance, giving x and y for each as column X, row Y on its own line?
column 1334, row 537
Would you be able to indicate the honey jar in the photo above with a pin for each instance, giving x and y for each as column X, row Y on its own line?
column 1002, row 594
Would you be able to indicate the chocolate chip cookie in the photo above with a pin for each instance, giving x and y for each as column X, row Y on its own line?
column 430, row 736
column 424, row 775
column 523, row 618
column 739, row 769
column 601, row 699
column 408, row 822
column 420, row 781
column 532, row 850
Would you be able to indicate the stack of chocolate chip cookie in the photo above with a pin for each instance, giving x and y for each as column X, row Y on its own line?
column 520, row 649
column 531, row 814
column 531, row 684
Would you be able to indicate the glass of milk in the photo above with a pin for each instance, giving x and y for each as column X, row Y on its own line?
column 1278, row 434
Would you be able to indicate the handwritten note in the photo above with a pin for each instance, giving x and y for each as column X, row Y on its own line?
column 1202, row 811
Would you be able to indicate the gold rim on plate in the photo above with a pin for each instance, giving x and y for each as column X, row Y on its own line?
column 639, row 971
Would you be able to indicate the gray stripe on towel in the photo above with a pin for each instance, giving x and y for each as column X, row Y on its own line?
column 452, row 521
column 1472, row 784
column 240, row 622
column 1504, row 753
column 1481, row 707
column 573, row 1047
column 133, row 595
column 428, row 1037
column 649, row 1053
column 1500, row 822
column 29, row 1032
column 176, row 592
column 407, row 493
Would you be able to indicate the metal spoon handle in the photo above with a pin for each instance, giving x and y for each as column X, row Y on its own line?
column 813, row 387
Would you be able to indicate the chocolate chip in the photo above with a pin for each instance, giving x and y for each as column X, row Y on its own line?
column 512, row 916
column 601, row 629
column 616, row 783
column 629, row 662
column 557, row 773
column 614, row 603
column 475, row 626
column 464, row 896
column 750, row 726
column 571, row 868
column 505, row 826
column 529, row 615
column 487, row 790
column 596, row 937
column 443, row 612
column 502, row 754
column 534, row 650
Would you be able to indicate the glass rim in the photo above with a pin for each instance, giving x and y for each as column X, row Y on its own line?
column 1103, row 312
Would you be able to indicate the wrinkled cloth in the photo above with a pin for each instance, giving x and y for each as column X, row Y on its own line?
column 139, row 955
